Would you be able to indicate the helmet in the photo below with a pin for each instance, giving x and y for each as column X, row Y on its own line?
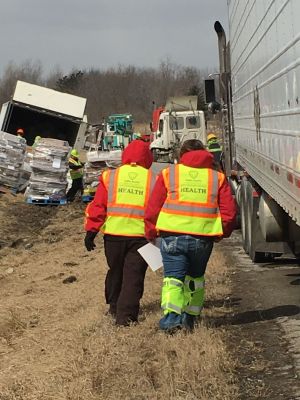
column 211, row 136
column 74, row 153
column 20, row 131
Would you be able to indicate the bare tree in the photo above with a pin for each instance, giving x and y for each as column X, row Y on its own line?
column 27, row 71
column 122, row 89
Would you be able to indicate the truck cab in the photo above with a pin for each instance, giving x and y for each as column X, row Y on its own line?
column 175, row 127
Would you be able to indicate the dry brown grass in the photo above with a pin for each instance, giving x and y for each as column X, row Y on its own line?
column 56, row 342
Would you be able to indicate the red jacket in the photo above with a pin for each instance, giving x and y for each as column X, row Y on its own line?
column 196, row 159
column 137, row 152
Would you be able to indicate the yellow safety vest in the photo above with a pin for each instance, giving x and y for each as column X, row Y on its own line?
column 128, row 188
column 191, row 205
column 76, row 173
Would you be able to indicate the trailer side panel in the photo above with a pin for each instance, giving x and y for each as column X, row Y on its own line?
column 265, row 62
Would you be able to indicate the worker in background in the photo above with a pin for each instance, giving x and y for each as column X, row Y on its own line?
column 20, row 133
column 190, row 208
column 118, row 209
column 214, row 147
column 36, row 141
column 76, row 172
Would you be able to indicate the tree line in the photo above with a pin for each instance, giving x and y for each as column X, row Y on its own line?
column 121, row 89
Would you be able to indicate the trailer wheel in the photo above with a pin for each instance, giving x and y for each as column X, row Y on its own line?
column 255, row 241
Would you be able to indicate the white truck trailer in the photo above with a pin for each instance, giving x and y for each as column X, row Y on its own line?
column 44, row 112
column 260, row 96
column 179, row 121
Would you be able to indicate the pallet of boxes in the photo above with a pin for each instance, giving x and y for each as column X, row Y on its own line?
column 12, row 155
column 97, row 162
column 49, row 165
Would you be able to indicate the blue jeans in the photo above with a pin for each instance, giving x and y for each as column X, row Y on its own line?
column 185, row 255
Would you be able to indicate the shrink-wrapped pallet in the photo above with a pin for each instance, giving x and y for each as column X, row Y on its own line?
column 97, row 162
column 12, row 154
column 49, row 167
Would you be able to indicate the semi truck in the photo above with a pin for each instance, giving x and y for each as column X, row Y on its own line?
column 177, row 121
column 44, row 112
column 260, row 98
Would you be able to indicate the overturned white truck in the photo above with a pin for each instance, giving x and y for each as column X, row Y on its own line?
column 44, row 112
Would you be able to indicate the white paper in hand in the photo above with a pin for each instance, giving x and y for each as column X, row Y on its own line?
column 151, row 254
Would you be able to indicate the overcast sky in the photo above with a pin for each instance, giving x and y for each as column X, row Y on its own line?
column 105, row 33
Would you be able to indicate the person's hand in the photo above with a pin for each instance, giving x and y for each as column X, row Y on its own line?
column 89, row 240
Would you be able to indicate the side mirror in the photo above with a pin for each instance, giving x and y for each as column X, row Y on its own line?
column 210, row 92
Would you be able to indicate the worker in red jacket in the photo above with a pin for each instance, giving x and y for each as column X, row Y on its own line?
column 190, row 208
column 118, row 209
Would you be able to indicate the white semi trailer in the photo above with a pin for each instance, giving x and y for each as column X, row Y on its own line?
column 260, row 96
column 41, row 111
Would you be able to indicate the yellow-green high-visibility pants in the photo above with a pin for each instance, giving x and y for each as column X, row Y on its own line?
column 194, row 294
column 172, row 296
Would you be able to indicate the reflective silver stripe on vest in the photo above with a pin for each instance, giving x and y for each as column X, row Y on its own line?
column 215, row 187
column 111, row 184
column 193, row 309
column 127, row 210
column 173, row 307
column 172, row 184
column 152, row 182
column 174, row 282
column 191, row 209
column 197, row 284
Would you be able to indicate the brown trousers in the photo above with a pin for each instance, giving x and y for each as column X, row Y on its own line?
column 124, row 283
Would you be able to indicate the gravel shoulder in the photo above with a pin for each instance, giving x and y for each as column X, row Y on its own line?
column 264, row 324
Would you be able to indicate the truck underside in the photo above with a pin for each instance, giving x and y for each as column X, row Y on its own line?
column 40, row 123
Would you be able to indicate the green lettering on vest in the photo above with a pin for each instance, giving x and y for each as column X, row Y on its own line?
column 131, row 191
column 193, row 190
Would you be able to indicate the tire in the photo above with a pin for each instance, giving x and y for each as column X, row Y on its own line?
column 254, row 234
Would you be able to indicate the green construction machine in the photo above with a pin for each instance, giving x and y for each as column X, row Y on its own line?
column 118, row 131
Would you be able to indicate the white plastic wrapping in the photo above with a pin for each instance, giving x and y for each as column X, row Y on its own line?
column 49, row 167
column 12, row 154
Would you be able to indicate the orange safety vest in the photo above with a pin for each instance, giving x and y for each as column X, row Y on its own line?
column 191, row 205
column 128, row 188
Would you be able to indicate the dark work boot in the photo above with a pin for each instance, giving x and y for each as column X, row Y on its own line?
column 171, row 322
column 126, row 321
column 112, row 310
column 188, row 321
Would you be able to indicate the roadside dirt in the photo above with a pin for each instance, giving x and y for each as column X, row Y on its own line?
column 57, row 343
column 264, row 325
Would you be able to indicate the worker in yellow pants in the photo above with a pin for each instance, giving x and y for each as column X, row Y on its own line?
column 190, row 208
